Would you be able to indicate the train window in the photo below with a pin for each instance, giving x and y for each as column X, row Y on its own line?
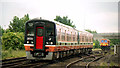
column 49, row 29
column 68, row 37
column 102, row 41
column 63, row 36
column 39, row 32
column 82, row 38
column 71, row 37
column 85, row 39
column 30, row 30
column 59, row 32
column 105, row 40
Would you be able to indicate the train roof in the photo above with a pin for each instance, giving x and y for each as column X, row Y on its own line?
column 84, row 32
column 105, row 39
column 39, row 20
column 55, row 22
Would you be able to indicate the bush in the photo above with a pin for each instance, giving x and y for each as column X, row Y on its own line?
column 13, row 40
column 97, row 44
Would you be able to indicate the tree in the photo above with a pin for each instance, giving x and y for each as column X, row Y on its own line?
column 88, row 30
column 18, row 24
column 1, row 31
column 65, row 21
column 114, row 41
column 97, row 44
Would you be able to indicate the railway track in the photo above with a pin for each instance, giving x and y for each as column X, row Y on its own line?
column 64, row 62
column 23, row 62
column 85, row 61
column 13, row 62
column 88, row 64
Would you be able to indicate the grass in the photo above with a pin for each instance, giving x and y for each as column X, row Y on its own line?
column 7, row 54
column 106, row 65
column 103, row 65
column 113, row 64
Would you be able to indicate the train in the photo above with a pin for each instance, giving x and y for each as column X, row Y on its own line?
column 49, row 40
column 105, row 44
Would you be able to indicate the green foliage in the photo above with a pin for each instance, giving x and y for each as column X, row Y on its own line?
column 114, row 41
column 65, row 21
column 1, row 31
column 18, row 24
column 6, row 31
column 111, row 44
column 88, row 30
column 97, row 44
column 12, row 40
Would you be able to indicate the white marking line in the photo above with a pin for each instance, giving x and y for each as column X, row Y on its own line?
column 28, row 44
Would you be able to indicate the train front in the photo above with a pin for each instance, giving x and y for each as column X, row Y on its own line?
column 38, row 34
column 105, row 44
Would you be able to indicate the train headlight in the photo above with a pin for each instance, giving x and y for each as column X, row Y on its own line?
column 51, row 42
column 27, row 41
column 31, row 41
column 46, row 42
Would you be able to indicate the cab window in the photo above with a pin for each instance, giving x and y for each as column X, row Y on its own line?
column 105, row 40
column 102, row 41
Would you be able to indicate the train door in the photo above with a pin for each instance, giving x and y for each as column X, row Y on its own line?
column 39, row 37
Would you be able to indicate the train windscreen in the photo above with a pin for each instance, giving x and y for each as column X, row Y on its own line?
column 102, row 41
column 29, row 33
column 30, row 29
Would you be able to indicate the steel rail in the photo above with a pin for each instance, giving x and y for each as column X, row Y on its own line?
column 68, row 65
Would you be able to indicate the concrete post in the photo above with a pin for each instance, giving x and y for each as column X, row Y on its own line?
column 114, row 49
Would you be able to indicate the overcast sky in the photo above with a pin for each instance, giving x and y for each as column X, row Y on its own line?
column 101, row 15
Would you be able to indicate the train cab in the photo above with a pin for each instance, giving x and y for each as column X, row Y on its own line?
column 105, row 44
column 39, row 33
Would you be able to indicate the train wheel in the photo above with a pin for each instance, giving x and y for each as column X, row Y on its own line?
column 54, row 55
column 68, row 53
column 86, row 51
column 79, row 51
column 58, row 55
column 73, row 52
column 64, row 54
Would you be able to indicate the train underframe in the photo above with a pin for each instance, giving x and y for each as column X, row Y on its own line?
column 105, row 48
column 55, row 55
